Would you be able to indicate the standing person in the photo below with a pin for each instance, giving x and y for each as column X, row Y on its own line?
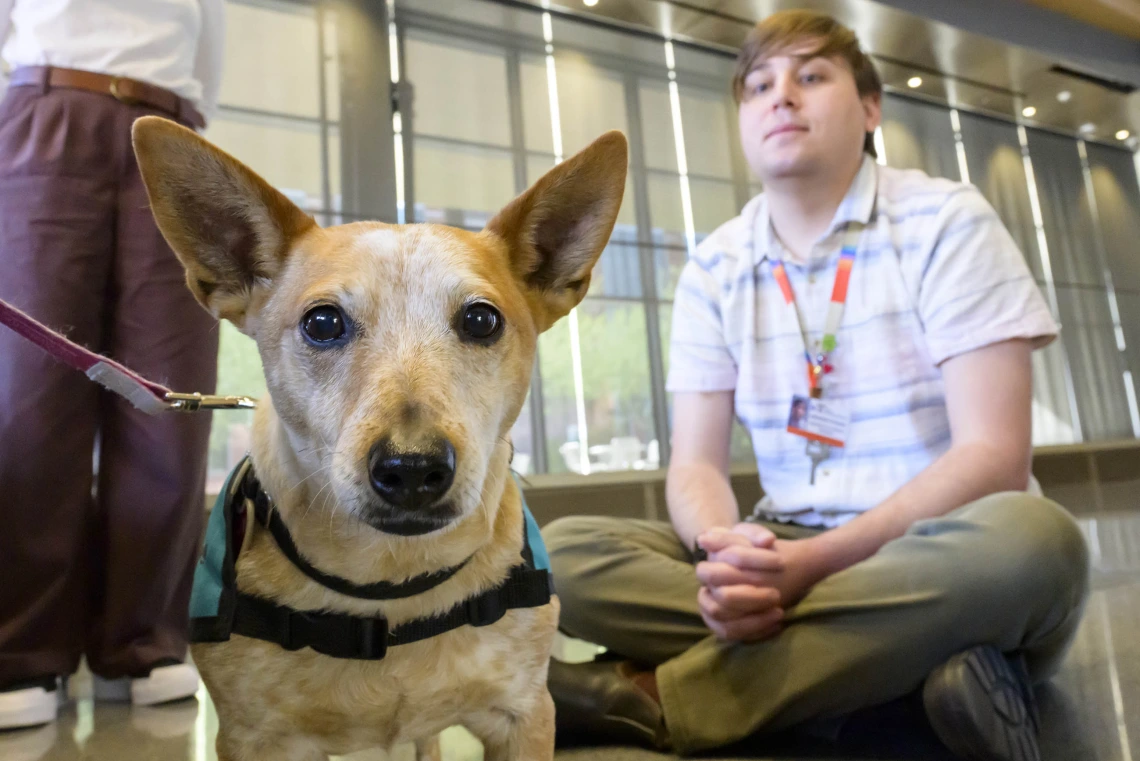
column 903, row 545
column 97, row 568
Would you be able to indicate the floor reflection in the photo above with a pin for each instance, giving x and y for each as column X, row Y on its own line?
column 1090, row 712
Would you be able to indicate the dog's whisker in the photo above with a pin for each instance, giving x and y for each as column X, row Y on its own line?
column 300, row 483
column 315, row 498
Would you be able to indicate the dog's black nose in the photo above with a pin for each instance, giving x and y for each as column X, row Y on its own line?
column 411, row 479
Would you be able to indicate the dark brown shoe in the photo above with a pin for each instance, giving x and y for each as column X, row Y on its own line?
column 596, row 704
column 981, row 706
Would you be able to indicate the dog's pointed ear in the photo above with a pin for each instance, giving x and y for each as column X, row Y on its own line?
column 230, row 229
column 556, row 230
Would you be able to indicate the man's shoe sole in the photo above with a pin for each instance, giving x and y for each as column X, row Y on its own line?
column 981, row 707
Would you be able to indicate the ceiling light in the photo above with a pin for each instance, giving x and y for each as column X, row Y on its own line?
column 1064, row 96
column 1123, row 134
column 914, row 82
column 1088, row 128
column 589, row 3
column 1029, row 112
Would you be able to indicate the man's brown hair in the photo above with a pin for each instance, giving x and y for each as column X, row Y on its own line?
column 785, row 30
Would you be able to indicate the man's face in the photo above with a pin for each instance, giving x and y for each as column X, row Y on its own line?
column 803, row 116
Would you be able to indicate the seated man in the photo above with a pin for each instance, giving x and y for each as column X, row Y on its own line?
column 903, row 545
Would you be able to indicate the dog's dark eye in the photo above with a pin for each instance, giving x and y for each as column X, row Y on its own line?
column 323, row 324
column 481, row 322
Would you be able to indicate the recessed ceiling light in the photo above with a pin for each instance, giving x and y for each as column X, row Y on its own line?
column 1088, row 128
column 589, row 3
column 1123, row 134
column 1064, row 96
column 914, row 82
column 1029, row 112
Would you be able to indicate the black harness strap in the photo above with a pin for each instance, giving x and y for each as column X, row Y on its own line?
column 379, row 590
column 340, row 635
column 343, row 636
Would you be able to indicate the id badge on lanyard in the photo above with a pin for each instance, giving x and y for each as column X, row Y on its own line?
column 822, row 422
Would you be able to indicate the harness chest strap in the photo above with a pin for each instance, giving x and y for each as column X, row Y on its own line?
column 218, row 609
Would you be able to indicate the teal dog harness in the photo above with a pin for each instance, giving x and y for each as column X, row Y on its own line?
column 218, row 609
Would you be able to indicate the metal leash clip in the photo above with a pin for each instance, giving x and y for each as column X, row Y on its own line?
column 194, row 402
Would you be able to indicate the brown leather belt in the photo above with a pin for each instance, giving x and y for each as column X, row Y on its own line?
column 129, row 91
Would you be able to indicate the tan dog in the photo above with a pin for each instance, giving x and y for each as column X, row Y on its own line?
column 383, row 342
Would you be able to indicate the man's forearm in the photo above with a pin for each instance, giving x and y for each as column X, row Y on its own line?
column 964, row 474
column 700, row 498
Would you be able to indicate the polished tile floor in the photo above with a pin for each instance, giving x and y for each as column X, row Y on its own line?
column 1091, row 712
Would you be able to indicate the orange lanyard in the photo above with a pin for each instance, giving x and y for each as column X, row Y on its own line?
column 818, row 366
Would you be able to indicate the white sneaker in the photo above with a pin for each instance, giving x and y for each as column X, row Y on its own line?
column 29, row 706
column 164, row 684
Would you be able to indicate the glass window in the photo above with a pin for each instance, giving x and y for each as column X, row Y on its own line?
column 460, row 89
column 616, row 392
column 709, row 127
column 332, row 66
column 657, row 126
column 534, row 81
column 287, row 153
column 273, row 46
column 240, row 374
column 488, row 15
column 461, row 185
column 666, row 211
column 714, row 203
column 667, row 215
column 333, row 164
column 591, row 100
column 618, row 272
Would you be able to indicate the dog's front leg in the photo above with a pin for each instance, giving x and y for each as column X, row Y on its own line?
column 512, row 737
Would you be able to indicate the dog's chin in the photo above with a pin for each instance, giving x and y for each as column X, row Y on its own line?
column 406, row 524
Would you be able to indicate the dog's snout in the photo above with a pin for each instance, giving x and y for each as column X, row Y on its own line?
column 411, row 479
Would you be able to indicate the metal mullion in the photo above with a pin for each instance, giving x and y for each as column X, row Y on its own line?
column 405, row 94
column 322, row 89
column 646, row 251
column 519, row 156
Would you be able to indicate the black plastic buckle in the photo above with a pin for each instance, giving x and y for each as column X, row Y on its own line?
column 485, row 610
column 337, row 635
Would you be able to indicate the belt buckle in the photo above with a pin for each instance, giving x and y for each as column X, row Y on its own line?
column 121, row 96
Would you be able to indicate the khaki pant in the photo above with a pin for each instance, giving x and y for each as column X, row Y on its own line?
column 1010, row 570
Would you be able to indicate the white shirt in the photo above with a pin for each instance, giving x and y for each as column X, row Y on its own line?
column 175, row 44
column 936, row 275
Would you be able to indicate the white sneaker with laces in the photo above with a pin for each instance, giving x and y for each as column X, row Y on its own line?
column 163, row 685
column 29, row 706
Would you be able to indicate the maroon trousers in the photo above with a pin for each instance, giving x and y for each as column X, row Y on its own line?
column 102, row 569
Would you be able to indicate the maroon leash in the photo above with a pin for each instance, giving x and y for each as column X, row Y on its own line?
column 148, row 396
